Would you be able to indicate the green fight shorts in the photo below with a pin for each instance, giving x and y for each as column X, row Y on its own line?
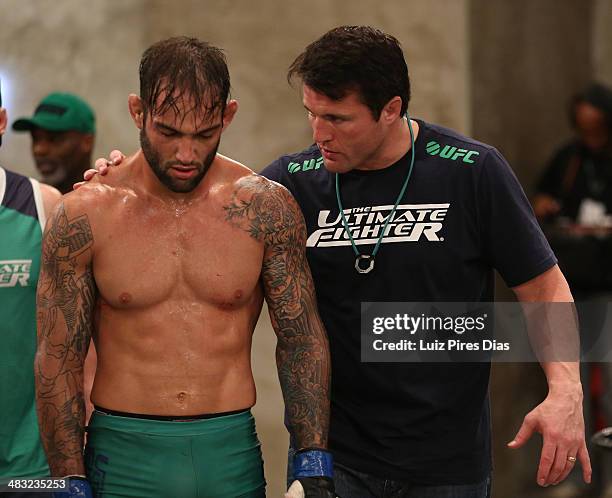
column 136, row 456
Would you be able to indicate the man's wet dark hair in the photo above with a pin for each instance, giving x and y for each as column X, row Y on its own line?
column 183, row 67
column 355, row 58
column 597, row 95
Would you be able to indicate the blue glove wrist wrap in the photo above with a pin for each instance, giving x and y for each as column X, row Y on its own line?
column 77, row 488
column 313, row 463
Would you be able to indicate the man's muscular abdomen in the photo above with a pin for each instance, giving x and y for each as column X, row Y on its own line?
column 174, row 359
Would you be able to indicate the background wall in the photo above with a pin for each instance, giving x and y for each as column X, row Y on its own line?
column 499, row 69
column 525, row 64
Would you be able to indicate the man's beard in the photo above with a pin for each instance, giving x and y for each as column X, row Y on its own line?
column 162, row 171
column 56, row 178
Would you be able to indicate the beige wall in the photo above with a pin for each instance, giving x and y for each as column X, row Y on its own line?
column 525, row 66
column 498, row 68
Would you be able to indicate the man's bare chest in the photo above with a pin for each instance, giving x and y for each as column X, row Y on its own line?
column 145, row 256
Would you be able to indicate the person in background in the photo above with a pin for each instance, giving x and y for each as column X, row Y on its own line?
column 24, row 206
column 63, row 128
column 577, row 182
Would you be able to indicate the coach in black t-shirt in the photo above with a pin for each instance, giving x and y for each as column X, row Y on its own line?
column 417, row 430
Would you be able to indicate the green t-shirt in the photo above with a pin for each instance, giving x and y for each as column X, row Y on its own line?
column 21, row 218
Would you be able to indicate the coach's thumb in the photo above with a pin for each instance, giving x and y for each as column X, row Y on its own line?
column 523, row 434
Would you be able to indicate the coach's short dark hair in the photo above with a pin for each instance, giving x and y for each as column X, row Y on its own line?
column 183, row 66
column 360, row 58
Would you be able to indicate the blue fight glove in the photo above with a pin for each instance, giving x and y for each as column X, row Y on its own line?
column 78, row 487
column 313, row 468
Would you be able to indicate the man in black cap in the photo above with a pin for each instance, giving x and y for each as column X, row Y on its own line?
column 63, row 128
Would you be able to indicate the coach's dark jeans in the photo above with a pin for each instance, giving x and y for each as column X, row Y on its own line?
column 351, row 483
column 354, row 484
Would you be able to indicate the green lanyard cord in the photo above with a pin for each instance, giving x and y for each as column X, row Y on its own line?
column 399, row 198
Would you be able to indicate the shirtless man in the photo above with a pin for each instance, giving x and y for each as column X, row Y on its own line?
column 166, row 266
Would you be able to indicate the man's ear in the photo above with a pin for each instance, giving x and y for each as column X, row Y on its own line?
column 392, row 110
column 136, row 110
column 230, row 111
column 3, row 120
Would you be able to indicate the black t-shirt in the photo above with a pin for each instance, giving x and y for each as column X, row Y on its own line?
column 573, row 174
column 462, row 215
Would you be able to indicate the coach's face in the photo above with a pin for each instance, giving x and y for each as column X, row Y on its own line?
column 345, row 131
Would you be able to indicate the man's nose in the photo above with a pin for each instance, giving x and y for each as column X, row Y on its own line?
column 186, row 151
column 40, row 147
column 321, row 130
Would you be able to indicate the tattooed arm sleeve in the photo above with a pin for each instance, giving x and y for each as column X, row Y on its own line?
column 65, row 301
column 302, row 352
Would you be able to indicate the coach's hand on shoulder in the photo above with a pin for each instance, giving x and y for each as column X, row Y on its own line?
column 101, row 166
column 313, row 471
